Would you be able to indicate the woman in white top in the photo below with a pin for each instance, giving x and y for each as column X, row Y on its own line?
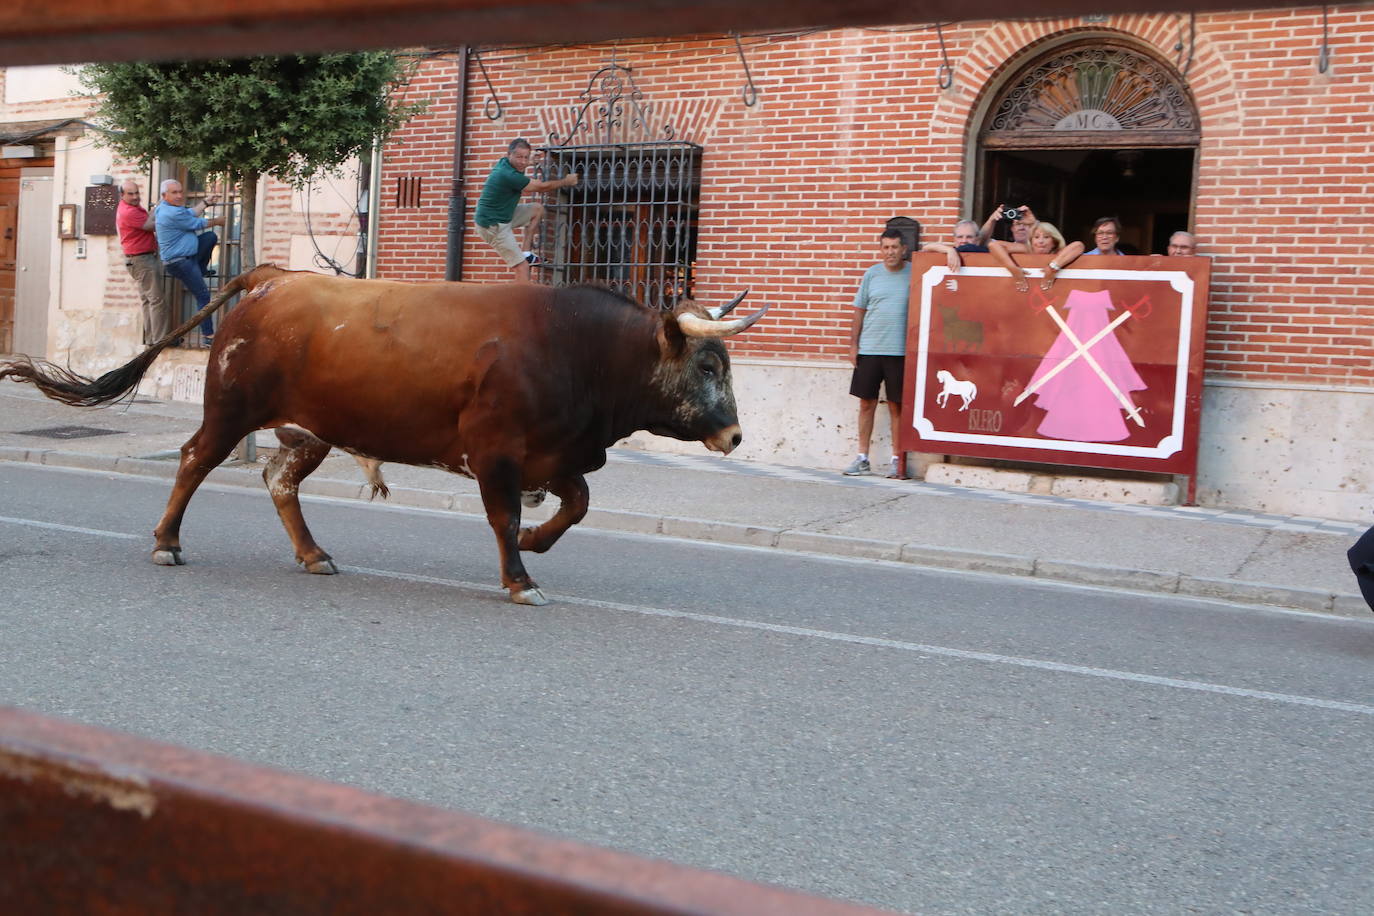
column 1044, row 239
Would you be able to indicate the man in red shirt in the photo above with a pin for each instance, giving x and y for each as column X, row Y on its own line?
column 137, row 238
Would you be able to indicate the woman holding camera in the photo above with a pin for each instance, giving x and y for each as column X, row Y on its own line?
column 1044, row 239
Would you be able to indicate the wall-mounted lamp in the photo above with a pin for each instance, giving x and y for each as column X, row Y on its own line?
column 66, row 221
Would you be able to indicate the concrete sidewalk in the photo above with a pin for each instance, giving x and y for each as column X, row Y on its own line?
column 1243, row 557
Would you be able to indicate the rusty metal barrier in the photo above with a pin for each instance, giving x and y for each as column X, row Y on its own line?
column 96, row 822
column 69, row 31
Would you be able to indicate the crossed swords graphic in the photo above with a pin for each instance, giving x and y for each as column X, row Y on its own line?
column 1081, row 349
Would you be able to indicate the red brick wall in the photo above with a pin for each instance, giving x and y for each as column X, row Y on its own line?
column 851, row 129
column 412, row 243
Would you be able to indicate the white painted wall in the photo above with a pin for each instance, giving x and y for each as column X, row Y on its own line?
column 42, row 84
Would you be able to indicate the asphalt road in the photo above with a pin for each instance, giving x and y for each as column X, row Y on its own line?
column 930, row 742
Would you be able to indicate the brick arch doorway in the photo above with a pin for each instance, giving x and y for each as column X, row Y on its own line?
column 1093, row 127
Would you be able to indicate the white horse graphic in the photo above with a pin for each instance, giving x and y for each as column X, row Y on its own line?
column 951, row 385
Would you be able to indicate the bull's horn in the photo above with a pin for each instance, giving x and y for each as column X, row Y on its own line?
column 696, row 326
column 720, row 311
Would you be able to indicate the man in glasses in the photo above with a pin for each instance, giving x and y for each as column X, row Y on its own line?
column 1182, row 244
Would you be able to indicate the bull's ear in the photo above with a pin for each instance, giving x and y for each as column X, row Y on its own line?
column 671, row 340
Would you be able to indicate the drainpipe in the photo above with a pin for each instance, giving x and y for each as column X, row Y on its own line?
column 374, row 210
column 457, row 202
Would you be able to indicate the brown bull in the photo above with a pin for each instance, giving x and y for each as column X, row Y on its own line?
column 521, row 387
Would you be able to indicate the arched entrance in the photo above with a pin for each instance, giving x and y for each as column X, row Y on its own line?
column 1093, row 128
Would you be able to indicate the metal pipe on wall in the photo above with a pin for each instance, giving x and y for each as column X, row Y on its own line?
column 457, row 202
column 374, row 209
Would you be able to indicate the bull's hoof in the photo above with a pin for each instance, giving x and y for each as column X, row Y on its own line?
column 323, row 567
column 531, row 596
column 168, row 556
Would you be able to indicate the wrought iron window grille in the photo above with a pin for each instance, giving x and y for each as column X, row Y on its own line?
column 631, row 221
column 1113, row 92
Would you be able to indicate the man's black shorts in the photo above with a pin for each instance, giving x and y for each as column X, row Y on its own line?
column 869, row 371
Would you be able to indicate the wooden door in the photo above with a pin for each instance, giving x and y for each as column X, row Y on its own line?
column 1014, row 180
column 9, row 224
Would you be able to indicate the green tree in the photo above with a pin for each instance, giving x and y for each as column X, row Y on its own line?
column 292, row 117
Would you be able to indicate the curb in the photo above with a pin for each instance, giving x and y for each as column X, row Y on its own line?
column 1145, row 580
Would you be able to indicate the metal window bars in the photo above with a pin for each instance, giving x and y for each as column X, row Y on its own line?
column 629, row 223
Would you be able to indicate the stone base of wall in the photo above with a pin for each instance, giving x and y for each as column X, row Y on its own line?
column 1286, row 451
column 792, row 413
column 176, row 375
column 1071, row 486
column 1289, row 451
column 94, row 341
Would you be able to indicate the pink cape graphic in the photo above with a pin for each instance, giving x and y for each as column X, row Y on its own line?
column 1079, row 406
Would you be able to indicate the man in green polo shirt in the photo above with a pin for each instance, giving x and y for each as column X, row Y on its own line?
column 499, row 210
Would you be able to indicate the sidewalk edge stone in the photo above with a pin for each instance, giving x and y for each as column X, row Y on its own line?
column 1255, row 593
column 416, row 497
column 722, row 532
column 1116, row 576
column 1350, row 606
column 968, row 560
column 838, row 545
column 620, row 520
column 145, row 467
column 81, row 460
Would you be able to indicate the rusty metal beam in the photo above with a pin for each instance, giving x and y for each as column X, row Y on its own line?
column 70, row 31
column 92, row 821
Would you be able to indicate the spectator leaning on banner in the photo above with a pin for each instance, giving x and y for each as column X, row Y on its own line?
column 966, row 241
column 1045, row 239
column 184, row 248
column 139, row 242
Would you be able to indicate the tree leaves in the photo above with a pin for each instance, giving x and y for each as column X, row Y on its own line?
column 291, row 117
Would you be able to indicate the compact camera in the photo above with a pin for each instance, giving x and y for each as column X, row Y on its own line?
column 1012, row 213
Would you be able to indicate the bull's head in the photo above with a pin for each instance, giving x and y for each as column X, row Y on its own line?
column 694, row 374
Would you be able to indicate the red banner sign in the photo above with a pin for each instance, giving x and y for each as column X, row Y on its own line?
column 1104, row 369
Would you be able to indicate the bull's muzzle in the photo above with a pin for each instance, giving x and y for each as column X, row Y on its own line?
column 725, row 440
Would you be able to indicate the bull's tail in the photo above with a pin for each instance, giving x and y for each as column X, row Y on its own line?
column 66, row 386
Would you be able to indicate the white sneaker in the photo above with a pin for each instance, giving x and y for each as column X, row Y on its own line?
column 858, row 467
column 893, row 473
column 532, row 258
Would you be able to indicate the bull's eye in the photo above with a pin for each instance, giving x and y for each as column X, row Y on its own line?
column 707, row 367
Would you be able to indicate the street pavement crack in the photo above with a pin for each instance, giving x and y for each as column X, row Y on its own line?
column 1261, row 548
column 821, row 522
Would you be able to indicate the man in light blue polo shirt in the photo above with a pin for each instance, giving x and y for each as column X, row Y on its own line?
column 186, row 255
column 877, row 344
